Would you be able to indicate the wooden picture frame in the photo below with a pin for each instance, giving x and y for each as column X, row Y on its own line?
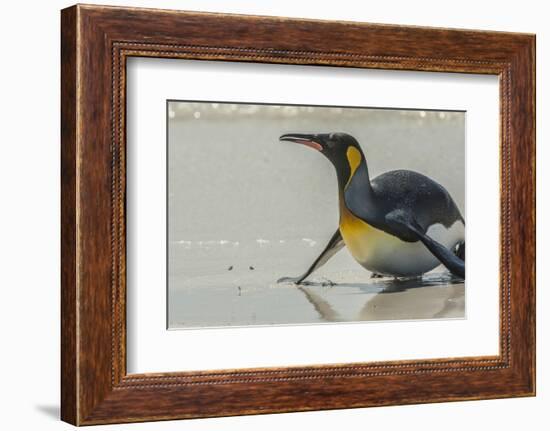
column 95, row 43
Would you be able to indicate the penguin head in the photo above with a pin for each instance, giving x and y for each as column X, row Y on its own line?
column 341, row 149
column 334, row 146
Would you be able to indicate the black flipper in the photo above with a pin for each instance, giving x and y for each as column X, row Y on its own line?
column 335, row 244
column 408, row 227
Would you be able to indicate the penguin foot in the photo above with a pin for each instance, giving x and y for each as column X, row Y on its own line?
column 375, row 275
column 407, row 278
column 299, row 281
column 290, row 280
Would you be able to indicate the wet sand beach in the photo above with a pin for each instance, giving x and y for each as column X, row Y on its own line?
column 283, row 305
column 235, row 285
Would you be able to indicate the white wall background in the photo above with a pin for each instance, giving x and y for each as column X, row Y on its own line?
column 29, row 214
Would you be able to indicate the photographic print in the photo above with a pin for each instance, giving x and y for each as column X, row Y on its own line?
column 299, row 214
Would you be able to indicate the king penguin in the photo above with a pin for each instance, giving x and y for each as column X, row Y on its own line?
column 400, row 224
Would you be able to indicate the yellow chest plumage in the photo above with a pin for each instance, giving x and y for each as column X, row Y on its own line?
column 362, row 239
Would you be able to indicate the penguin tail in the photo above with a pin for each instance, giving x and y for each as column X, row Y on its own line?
column 460, row 250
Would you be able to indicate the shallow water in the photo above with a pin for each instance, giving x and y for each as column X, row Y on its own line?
column 234, row 284
column 435, row 296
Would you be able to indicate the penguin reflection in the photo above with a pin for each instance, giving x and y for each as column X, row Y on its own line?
column 400, row 224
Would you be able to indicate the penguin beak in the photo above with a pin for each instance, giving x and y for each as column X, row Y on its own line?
column 307, row 140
